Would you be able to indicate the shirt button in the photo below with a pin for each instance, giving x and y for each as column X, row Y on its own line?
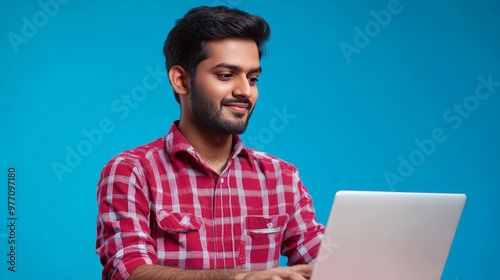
column 270, row 225
column 222, row 180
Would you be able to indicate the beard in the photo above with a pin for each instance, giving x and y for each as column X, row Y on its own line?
column 209, row 114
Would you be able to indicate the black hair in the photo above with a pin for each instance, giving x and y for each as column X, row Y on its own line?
column 185, row 44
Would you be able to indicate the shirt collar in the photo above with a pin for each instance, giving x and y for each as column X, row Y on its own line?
column 175, row 143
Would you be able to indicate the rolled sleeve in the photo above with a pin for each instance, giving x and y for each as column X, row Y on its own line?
column 303, row 234
column 123, row 236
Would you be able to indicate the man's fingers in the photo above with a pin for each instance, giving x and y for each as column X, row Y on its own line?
column 288, row 275
column 291, row 273
column 297, row 272
column 304, row 269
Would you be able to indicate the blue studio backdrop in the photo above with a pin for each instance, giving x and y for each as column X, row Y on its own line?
column 369, row 95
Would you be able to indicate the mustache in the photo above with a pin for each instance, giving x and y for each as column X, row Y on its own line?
column 226, row 101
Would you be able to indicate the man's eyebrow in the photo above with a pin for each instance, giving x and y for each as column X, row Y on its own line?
column 236, row 67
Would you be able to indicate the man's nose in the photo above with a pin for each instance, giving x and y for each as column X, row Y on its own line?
column 242, row 87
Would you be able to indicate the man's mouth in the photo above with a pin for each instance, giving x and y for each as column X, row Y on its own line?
column 238, row 107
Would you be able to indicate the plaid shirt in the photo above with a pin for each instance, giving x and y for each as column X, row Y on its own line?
column 161, row 204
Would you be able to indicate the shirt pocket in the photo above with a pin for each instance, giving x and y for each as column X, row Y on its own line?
column 174, row 222
column 261, row 241
column 178, row 238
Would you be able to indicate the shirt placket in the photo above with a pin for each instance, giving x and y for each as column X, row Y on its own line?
column 219, row 216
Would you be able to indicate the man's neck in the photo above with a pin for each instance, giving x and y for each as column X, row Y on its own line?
column 213, row 148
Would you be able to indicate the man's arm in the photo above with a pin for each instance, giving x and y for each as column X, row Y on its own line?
column 303, row 234
column 123, row 236
column 158, row 272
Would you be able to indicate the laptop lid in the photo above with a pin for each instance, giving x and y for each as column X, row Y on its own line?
column 388, row 236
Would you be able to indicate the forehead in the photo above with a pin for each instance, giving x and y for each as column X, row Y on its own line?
column 235, row 51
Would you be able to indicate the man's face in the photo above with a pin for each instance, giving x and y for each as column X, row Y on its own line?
column 224, row 91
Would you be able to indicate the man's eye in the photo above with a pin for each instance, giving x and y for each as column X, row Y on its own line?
column 224, row 76
column 253, row 80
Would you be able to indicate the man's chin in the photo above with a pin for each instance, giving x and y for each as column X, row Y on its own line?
column 237, row 126
column 235, row 117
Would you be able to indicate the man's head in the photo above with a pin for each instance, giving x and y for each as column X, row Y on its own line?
column 212, row 56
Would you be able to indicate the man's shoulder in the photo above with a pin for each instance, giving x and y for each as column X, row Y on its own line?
column 266, row 159
column 142, row 152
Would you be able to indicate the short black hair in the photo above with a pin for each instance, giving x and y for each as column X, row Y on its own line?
column 185, row 44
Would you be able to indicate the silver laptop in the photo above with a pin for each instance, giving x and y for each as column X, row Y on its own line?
column 388, row 236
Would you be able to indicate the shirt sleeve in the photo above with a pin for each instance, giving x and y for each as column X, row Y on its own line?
column 303, row 234
column 123, row 236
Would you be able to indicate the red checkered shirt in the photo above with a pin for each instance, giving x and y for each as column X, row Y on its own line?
column 161, row 204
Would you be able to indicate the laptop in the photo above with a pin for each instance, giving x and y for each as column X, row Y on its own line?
column 388, row 236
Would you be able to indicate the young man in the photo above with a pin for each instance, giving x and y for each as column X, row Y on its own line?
column 198, row 204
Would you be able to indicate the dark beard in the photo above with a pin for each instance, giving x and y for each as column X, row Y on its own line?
column 209, row 114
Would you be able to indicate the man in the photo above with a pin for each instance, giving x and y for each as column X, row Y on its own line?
column 198, row 204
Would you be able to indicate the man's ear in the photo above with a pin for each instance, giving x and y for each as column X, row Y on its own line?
column 179, row 79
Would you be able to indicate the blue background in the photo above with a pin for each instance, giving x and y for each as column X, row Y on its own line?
column 353, row 118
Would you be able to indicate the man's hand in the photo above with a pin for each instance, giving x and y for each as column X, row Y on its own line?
column 297, row 272
column 160, row 272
